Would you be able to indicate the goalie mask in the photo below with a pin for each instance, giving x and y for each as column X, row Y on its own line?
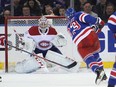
column 43, row 23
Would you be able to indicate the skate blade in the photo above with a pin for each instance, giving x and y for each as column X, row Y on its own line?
column 100, row 78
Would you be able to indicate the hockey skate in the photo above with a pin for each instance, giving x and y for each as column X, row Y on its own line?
column 104, row 77
column 100, row 76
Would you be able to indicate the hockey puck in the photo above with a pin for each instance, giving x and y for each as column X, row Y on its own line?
column 0, row 79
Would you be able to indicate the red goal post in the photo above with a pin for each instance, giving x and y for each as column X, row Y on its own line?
column 22, row 24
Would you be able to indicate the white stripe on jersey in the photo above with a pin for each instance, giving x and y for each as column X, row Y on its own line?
column 82, row 17
column 81, row 36
column 80, row 33
column 111, row 21
column 113, row 70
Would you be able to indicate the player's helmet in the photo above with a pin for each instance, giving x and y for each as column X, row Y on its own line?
column 69, row 13
column 43, row 22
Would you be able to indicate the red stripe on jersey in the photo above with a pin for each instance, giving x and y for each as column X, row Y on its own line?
column 113, row 73
column 52, row 31
column 112, row 19
column 82, row 34
column 100, row 63
column 93, row 63
column 102, row 22
column 96, row 63
column 34, row 30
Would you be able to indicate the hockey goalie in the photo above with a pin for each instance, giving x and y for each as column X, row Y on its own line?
column 42, row 39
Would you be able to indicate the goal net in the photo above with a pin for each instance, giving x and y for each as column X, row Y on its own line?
column 21, row 25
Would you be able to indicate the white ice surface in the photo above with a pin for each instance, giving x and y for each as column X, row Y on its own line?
column 83, row 78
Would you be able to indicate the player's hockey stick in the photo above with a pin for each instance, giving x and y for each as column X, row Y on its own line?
column 68, row 66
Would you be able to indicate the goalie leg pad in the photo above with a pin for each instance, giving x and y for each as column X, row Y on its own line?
column 61, row 59
column 27, row 66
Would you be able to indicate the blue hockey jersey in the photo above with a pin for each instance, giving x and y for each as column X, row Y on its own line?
column 80, row 26
column 112, row 22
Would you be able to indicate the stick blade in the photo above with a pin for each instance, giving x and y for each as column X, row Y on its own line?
column 72, row 65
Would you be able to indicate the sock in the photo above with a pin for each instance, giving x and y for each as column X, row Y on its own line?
column 98, row 60
column 112, row 79
column 91, row 62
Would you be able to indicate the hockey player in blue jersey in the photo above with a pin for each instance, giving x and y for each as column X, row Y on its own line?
column 112, row 26
column 83, row 28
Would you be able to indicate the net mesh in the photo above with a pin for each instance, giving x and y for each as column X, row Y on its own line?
column 34, row 22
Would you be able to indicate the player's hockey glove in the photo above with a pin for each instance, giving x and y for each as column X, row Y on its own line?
column 97, row 27
column 100, row 25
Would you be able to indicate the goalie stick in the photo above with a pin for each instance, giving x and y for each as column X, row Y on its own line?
column 68, row 66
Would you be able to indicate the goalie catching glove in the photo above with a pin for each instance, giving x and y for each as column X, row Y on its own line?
column 59, row 40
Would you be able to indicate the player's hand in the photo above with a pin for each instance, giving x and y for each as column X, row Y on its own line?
column 101, row 24
column 2, row 40
column 97, row 27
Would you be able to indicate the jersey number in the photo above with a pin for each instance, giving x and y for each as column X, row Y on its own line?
column 75, row 25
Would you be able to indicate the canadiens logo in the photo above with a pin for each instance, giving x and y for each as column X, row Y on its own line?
column 44, row 44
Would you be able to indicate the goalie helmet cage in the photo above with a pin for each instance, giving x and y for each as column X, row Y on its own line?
column 22, row 24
